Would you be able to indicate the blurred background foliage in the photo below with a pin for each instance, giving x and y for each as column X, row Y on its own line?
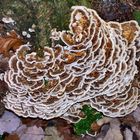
column 44, row 15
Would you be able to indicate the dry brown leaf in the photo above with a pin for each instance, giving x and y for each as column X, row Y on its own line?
column 12, row 137
column 10, row 42
column 95, row 127
column 31, row 122
column 3, row 88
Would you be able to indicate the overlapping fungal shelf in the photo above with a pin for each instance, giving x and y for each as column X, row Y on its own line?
column 97, row 66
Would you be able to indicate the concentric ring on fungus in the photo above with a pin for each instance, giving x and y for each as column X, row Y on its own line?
column 97, row 66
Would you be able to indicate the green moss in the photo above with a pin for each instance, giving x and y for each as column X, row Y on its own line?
column 136, row 15
column 84, row 125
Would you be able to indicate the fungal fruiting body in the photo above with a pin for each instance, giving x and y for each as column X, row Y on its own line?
column 96, row 66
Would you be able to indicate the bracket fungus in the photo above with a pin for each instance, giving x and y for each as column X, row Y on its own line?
column 96, row 66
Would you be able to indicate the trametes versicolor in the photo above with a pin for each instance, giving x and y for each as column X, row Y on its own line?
column 96, row 66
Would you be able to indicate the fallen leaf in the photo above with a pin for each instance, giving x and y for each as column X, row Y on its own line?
column 12, row 137
column 31, row 122
column 128, row 134
column 3, row 64
column 3, row 88
column 52, row 134
column 10, row 42
column 114, row 132
column 9, row 122
column 30, row 133
column 136, row 129
column 136, row 114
